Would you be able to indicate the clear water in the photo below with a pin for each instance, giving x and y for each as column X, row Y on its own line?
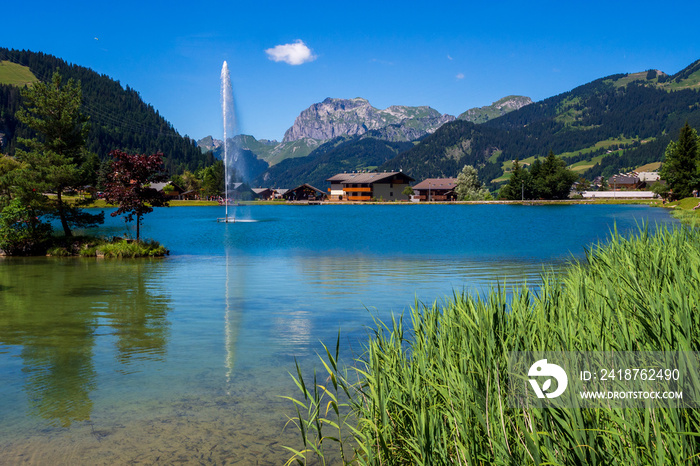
column 183, row 359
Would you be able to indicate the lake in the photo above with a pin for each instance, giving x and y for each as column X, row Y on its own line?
column 184, row 359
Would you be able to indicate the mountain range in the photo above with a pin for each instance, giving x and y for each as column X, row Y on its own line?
column 613, row 124
column 343, row 120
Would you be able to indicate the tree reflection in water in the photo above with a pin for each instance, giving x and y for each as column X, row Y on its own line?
column 56, row 318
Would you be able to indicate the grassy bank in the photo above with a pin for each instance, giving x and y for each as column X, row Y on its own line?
column 431, row 388
column 87, row 246
column 101, row 204
column 683, row 211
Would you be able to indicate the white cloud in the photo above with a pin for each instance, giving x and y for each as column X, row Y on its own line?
column 292, row 54
column 449, row 58
column 460, row 76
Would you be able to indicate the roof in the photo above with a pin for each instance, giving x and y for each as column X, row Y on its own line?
column 373, row 177
column 160, row 186
column 648, row 176
column 437, row 183
column 261, row 190
column 623, row 179
column 306, row 185
column 341, row 177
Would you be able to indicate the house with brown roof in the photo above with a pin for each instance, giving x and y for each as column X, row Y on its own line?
column 264, row 194
column 435, row 189
column 335, row 192
column 169, row 189
column 304, row 192
column 617, row 182
column 367, row 186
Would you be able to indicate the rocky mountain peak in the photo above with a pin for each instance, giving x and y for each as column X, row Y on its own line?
column 353, row 117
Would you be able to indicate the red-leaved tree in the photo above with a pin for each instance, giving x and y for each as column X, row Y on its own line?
column 128, row 185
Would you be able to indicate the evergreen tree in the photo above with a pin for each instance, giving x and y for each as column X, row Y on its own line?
column 55, row 156
column 552, row 180
column 518, row 186
column 7, row 166
column 680, row 166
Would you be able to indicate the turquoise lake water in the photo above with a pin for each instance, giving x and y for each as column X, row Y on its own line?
column 183, row 359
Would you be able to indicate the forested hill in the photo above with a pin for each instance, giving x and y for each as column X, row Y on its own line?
column 635, row 115
column 119, row 118
column 335, row 156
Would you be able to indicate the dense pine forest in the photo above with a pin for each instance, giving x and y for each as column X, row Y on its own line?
column 119, row 118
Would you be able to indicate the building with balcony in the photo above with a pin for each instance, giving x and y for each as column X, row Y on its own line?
column 367, row 186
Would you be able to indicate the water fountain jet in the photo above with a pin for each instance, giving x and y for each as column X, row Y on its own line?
column 230, row 128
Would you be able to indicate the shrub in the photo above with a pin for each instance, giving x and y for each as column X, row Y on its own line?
column 22, row 233
column 117, row 247
column 131, row 249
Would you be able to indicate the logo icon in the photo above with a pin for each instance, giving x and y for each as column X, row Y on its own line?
column 543, row 369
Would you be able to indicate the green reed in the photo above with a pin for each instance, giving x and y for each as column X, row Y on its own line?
column 434, row 391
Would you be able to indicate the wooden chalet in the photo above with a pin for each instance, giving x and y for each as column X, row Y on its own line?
column 367, row 186
column 436, row 190
column 305, row 192
column 624, row 182
column 264, row 194
column 169, row 189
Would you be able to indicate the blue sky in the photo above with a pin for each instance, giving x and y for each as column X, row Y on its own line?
column 451, row 56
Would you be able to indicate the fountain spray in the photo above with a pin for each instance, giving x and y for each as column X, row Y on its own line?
column 229, row 115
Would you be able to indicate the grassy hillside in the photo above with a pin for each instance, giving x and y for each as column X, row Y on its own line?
column 286, row 150
column 16, row 75
column 582, row 160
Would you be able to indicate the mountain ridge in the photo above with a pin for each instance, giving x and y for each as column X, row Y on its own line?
column 498, row 108
column 338, row 117
column 353, row 117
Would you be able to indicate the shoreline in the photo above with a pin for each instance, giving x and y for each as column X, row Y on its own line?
column 99, row 204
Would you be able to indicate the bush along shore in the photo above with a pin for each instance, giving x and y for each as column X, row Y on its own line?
column 434, row 391
column 87, row 246
column 108, row 248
